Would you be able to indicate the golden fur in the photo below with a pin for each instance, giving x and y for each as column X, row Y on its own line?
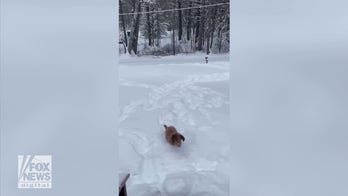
column 172, row 136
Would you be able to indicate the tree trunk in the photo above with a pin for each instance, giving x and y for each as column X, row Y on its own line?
column 201, row 29
column 213, row 27
column 173, row 41
column 133, row 45
column 208, row 48
column 153, row 32
column 189, row 21
column 180, row 21
column 220, row 39
column 197, row 25
column 148, row 21
column 158, row 30
column 123, row 24
column 137, row 26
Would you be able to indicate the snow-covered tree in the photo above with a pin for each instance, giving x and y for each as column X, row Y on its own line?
column 186, row 25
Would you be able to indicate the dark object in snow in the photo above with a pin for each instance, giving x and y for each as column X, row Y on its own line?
column 172, row 136
column 206, row 59
column 122, row 190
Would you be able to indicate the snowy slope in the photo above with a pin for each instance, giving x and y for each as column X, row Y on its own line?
column 193, row 96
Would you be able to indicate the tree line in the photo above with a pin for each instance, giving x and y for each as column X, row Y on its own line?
column 184, row 26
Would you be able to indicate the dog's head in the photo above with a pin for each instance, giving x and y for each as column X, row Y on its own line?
column 176, row 139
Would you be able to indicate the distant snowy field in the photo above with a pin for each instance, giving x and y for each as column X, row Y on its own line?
column 185, row 92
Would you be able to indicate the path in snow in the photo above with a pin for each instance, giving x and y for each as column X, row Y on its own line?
column 196, row 102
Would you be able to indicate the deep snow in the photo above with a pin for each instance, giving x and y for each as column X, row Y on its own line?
column 185, row 92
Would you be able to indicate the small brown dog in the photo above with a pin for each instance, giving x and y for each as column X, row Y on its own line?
column 172, row 136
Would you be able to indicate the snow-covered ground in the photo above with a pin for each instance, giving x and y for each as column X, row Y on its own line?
column 185, row 92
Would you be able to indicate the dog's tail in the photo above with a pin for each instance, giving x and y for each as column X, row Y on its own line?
column 165, row 126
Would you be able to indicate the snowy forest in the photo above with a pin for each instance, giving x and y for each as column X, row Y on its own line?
column 170, row 27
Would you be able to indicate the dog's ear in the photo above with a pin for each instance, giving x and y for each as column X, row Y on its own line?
column 182, row 137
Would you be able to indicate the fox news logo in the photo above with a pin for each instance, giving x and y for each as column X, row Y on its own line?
column 35, row 171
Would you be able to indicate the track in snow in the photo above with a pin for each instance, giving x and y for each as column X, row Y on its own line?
column 196, row 102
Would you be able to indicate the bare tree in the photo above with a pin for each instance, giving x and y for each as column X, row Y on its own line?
column 201, row 28
column 191, row 25
column 149, row 25
column 180, row 20
column 123, row 23
column 133, row 41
